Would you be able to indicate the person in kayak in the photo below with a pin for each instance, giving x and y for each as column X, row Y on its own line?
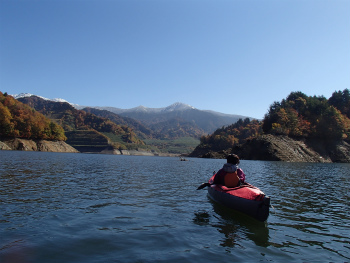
column 230, row 175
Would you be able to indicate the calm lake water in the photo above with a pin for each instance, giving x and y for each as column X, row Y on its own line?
column 59, row 207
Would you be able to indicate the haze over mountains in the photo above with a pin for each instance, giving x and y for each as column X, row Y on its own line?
column 178, row 114
column 178, row 106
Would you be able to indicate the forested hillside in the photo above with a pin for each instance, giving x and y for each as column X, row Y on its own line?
column 200, row 120
column 225, row 138
column 300, row 115
column 21, row 121
column 88, row 132
column 161, row 128
column 141, row 130
column 314, row 119
column 169, row 136
column 76, row 122
column 173, row 128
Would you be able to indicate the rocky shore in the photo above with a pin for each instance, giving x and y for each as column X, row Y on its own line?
column 283, row 148
column 110, row 150
column 265, row 147
column 18, row 144
column 36, row 145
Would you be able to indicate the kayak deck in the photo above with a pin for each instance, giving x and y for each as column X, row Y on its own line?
column 246, row 198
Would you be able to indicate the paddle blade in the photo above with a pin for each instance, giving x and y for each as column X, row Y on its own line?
column 203, row 185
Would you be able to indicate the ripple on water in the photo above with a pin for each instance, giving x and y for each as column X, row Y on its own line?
column 105, row 208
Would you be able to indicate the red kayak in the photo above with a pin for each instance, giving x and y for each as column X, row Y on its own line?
column 245, row 198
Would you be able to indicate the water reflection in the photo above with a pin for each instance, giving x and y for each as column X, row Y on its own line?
column 234, row 225
column 201, row 218
column 311, row 202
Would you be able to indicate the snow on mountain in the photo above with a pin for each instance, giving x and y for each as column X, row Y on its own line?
column 60, row 100
column 208, row 121
column 24, row 95
column 178, row 106
column 141, row 109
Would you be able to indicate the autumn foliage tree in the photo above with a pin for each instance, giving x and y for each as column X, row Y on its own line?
column 72, row 119
column 237, row 133
column 310, row 117
column 341, row 101
column 19, row 120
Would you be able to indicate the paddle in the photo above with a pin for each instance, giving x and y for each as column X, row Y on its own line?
column 203, row 185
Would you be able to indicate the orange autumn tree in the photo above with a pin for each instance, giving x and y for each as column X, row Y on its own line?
column 235, row 134
column 309, row 117
column 19, row 120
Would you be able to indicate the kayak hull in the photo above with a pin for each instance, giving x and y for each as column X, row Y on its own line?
column 247, row 199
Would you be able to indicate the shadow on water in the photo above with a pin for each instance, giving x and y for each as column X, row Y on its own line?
column 234, row 225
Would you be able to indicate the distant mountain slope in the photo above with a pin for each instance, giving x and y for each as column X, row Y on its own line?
column 177, row 106
column 166, row 129
column 90, row 126
column 140, row 129
column 176, row 128
column 208, row 121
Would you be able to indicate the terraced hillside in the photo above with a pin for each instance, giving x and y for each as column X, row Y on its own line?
column 87, row 141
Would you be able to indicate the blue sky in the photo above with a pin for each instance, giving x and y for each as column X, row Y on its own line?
column 230, row 56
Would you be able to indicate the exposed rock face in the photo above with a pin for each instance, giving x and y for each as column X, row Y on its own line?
column 283, row 148
column 36, row 145
column 4, row 146
column 278, row 148
column 341, row 153
column 110, row 150
column 134, row 152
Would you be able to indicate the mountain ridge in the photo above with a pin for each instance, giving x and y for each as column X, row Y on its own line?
column 24, row 95
column 206, row 120
column 84, row 131
column 176, row 106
